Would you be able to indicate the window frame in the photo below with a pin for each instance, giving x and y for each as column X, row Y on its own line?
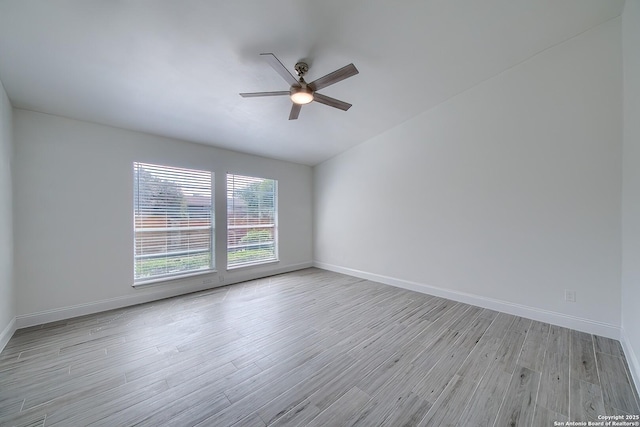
column 274, row 226
column 166, row 172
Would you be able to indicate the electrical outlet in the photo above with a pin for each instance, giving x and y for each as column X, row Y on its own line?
column 569, row 296
column 221, row 278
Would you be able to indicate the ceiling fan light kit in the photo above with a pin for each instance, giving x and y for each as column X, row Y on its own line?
column 301, row 95
column 301, row 92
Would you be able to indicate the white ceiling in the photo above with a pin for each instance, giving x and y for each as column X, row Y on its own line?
column 175, row 68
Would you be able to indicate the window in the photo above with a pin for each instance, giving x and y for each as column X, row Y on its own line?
column 173, row 221
column 251, row 220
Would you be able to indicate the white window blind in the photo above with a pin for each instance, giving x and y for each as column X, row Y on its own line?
column 251, row 220
column 173, row 221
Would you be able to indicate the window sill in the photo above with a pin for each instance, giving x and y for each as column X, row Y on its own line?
column 163, row 280
column 253, row 264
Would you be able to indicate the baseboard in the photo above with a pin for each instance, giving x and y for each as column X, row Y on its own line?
column 7, row 333
column 632, row 359
column 164, row 291
column 554, row 318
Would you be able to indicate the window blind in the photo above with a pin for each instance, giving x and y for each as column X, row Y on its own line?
column 251, row 220
column 173, row 221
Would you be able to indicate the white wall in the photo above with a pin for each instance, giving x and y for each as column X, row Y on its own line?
column 74, row 221
column 504, row 196
column 631, row 185
column 7, row 301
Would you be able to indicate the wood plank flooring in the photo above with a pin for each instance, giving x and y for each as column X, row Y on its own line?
column 309, row 348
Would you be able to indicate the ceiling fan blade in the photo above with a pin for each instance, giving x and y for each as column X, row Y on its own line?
column 335, row 77
column 280, row 69
column 331, row 102
column 295, row 111
column 256, row 94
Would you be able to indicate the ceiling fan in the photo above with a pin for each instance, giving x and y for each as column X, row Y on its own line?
column 301, row 92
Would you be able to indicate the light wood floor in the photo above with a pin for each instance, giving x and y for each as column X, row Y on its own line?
column 309, row 348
